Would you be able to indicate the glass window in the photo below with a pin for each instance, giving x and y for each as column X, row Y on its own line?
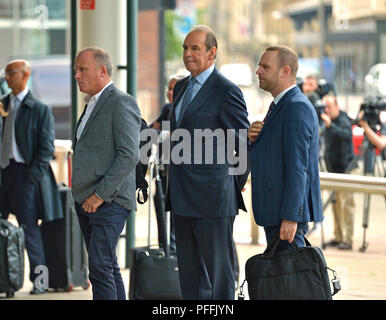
column 6, row 8
column 56, row 8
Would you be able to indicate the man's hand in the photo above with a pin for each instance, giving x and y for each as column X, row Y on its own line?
column 362, row 123
column 326, row 118
column 254, row 130
column 92, row 203
column 288, row 230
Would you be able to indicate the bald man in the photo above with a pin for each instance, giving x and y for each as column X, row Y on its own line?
column 28, row 188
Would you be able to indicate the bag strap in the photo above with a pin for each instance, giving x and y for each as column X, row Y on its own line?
column 275, row 241
column 272, row 246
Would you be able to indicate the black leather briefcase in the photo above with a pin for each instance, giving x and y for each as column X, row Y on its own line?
column 291, row 274
column 153, row 276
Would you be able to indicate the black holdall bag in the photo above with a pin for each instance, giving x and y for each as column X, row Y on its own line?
column 12, row 245
column 297, row 273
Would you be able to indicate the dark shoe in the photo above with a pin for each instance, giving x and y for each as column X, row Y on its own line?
column 37, row 291
column 344, row 246
column 332, row 243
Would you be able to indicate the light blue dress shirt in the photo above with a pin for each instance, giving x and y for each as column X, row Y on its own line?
column 200, row 80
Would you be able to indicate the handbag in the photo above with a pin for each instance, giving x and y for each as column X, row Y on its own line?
column 297, row 273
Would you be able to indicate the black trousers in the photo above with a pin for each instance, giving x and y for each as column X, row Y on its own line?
column 205, row 252
column 18, row 196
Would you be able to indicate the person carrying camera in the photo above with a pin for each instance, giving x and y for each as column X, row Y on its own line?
column 379, row 141
column 339, row 152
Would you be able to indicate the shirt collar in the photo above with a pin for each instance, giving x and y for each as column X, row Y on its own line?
column 95, row 97
column 281, row 94
column 21, row 95
column 203, row 76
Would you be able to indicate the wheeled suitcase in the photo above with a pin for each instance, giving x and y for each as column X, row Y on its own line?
column 12, row 244
column 64, row 247
column 154, row 270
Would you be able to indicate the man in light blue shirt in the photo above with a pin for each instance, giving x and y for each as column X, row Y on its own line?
column 198, row 82
column 202, row 196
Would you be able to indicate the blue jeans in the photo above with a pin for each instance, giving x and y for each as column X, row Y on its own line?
column 101, row 232
column 271, row 232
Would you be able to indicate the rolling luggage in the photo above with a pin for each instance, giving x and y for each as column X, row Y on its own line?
column 153, row 270
column 11, row 258
column 64, row 247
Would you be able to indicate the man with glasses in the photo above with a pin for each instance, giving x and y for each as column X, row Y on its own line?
column 28, row 188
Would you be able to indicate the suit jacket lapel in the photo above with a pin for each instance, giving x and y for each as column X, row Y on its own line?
column 172, row 113
column 101, row 101
column 201, row 97
column 275, row 111
column 6, row 102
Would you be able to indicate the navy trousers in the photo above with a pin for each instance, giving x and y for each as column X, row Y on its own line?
column 205, row 257
column 18, row 196
column 101, row 232
column 271, row 232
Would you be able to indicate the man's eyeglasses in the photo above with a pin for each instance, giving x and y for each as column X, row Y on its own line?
column 11, row 72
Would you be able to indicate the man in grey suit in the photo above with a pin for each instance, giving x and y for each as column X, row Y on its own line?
column 106, row 151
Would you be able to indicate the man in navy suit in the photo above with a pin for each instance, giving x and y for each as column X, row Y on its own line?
column 284, row 153
column 204, row 197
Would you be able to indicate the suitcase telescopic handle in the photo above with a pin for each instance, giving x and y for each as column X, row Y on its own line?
column 152, row 161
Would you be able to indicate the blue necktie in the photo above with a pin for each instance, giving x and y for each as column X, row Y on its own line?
column 187, row 99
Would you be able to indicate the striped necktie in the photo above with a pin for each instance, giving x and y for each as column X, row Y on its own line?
column 187, row 98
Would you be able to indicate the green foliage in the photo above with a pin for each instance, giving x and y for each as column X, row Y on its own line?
column 173, row 46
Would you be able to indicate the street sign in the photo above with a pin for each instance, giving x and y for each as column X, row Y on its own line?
column 87, row 4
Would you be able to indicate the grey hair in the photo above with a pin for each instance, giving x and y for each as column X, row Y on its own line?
column 210, row 39
column 102, row 57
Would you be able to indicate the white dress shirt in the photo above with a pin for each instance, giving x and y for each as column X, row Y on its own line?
column 91, row 102
column 281, row 94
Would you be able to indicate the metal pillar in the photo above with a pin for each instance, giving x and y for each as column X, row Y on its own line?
column 132, row 57
column 74, row 87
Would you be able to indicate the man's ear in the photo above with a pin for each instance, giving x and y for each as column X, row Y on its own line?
column 212, row 53
column 26, row 75
column 103, row 71
column 286, row 70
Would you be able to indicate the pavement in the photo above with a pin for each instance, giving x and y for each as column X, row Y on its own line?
column 362, row 274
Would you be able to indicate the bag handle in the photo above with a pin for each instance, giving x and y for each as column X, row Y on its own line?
column 275, row 241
